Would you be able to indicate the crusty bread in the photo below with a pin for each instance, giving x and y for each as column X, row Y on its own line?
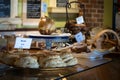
column 51, row 60
column 9, row 59
column 44, row 59
column 57, row 62
column 72, row 62
column 27, row 62
column 80, row 47
column 69, row 59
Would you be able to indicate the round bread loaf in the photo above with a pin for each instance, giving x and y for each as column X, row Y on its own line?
column 9, row 59
column 69, row 59
column 65, row 57
column 72, row 62
column 55, row 63
column 52, row 60
column 27, row 62
column 79, row 48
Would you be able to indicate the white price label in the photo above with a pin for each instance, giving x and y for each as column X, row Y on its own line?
column 23, row 43
column 44, row 7
column 79, row 37
column 80, row 20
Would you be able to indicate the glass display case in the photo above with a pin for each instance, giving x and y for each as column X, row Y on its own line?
column 51, row 73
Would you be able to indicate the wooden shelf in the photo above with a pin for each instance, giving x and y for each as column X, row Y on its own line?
column 62, row 10
column 10, row 20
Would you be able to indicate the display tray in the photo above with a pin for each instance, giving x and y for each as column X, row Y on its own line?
column 53, row 38
column 58, row 35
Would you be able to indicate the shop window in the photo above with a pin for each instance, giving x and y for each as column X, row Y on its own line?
column 31, row 12
column 58, row 6
column 5, row 8
column 33, row 9
column 9, row 13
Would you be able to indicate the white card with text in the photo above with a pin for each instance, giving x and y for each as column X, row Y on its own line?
column 79, row 37
column 23, row 43
column 44, row 7
column 80, row 20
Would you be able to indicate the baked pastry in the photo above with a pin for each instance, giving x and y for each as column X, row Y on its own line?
column 69, row 59
column 46, row 26
column 27, row 62
column 52, row 61
column 80, row 47
column 57, row 62
column 72, row 62
column 66, row 57
column 9, row 59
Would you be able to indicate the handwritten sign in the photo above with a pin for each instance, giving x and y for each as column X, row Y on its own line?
column 61, row 3
column 79, row 37
column 5, row 8
column 23, row 43
column 80, row 20
column 33, row 8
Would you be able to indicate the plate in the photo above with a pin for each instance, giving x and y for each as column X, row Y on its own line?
column 51, row 38
column 56, row 35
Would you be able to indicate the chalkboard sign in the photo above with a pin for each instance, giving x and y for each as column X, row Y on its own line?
column 5, row 8
column 61, row 3
column 33, row 9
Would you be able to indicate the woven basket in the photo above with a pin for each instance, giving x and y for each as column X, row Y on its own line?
column 111, row 39
column 71, row 26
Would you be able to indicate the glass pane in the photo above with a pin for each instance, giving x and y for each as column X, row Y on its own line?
column 5, row 8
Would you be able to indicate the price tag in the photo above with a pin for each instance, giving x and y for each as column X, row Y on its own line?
column 23, row 43
column 79, row 37
column 80, row 20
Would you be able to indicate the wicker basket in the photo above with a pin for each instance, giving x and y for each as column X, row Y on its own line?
column 106, row 39
column 74, row 28
column 71, row 26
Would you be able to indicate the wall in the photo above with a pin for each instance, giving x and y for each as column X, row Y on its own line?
column 94, row 11
column 108, row 12
column 97, row 13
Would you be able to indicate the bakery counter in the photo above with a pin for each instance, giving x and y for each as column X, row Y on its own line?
column 13, row 73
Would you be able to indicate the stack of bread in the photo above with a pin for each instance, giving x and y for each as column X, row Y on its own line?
column 61, row 60
column 42, row 59
column 52, row 61
column 27, row 62
column 69, row 59
column 19, row 59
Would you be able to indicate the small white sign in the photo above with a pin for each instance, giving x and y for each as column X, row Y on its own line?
column 80, row 20
column 79, row 37
column 44, row 7
column 23, row 43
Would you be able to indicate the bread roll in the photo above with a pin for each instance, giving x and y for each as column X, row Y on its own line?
column 27, row 62
column 55, row 63
column 80, row 47
column 72, row 62
column 9, row 59
column 52, row 60
column 69, row 59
